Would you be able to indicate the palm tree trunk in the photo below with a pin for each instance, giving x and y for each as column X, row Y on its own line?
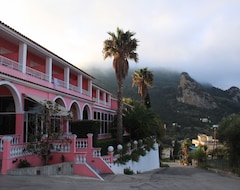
column 119, row 112
column 144, row 94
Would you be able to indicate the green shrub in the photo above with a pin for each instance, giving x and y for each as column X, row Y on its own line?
column 83, row 127
column 128, row 171
column 23, row 164
column 135, row 156
column 164, row 165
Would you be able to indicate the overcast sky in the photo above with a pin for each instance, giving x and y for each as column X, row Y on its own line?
column 201, row 37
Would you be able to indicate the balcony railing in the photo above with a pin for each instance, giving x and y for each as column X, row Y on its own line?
column 86, row 92
column 40, row 75
column 74, row 88
column 37, row 74
column 10, row 63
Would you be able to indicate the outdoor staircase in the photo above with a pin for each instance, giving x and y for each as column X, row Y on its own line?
column 97, row 172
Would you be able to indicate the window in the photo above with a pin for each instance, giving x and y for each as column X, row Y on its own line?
column 105, row 121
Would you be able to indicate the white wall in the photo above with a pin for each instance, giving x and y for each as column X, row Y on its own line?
column 149, row 162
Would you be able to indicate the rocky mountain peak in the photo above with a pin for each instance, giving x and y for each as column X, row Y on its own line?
column 192, row 93
column 234, row 93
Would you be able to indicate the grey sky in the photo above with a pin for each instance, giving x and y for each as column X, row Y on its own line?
column 200, row 37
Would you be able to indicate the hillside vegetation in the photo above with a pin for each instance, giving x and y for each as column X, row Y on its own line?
column 182, row 120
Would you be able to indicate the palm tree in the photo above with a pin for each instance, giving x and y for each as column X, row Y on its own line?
column 185, row 150
column 143, row 79
column 121, row 46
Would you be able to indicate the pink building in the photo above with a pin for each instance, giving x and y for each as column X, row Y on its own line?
column 29, row 74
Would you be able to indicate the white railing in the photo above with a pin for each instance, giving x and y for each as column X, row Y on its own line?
column 15, row 139
column 101, row 101
column 58, row 82
column 19, row 150
column 81, row 158
column 106, row 159
column 60, row 147
column 85, row 92
column 96, row 153
column 74, row 88
column 10, row 63
column 18, row 66
column 40, row 75
column 81, row 143
column 37, row 74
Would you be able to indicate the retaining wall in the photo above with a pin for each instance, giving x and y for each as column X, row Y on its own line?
column 65, row 168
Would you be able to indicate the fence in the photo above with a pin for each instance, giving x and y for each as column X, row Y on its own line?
column 219, row 164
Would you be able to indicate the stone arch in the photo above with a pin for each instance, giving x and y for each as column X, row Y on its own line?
column 75, row 108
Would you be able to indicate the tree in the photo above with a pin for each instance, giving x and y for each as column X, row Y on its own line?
column 141, row 122
column 121, row 46
column 229, row 133
column 185, row 150
column 41, row 142
column 200, row 154
column 143, row 79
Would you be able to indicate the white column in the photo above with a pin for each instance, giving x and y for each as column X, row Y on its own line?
column 66, row 76
column 22, row 56
column 104, row 97
column 49, row 68
column 80, row 83
column 90, row 87
column 107, row 98
column 98, row 95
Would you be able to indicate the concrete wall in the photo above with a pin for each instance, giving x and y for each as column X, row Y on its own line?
column 65, row 168
column 149, row 162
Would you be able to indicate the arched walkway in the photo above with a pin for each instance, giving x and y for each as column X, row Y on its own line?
column 11, row 112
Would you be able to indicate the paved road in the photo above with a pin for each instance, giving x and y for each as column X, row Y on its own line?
column 175, row 177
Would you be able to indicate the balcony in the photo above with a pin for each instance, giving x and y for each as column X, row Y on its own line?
column 18, row 66
column 10, row 63
column 42, row 76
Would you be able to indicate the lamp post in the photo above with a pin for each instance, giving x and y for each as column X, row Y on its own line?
column 110, row 153
column 120, row 147
column 135, row 143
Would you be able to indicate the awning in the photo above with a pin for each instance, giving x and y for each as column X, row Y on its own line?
column 57, row 108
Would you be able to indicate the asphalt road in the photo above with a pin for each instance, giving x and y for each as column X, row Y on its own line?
column 173, row 178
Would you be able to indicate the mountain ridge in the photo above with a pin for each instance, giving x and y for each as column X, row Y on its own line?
column 167, row 100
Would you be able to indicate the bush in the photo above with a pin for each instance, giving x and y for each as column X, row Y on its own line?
column 199, row 154
column 128, row 171
column 83, row 127
column 162, row 165
column 23, row 164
